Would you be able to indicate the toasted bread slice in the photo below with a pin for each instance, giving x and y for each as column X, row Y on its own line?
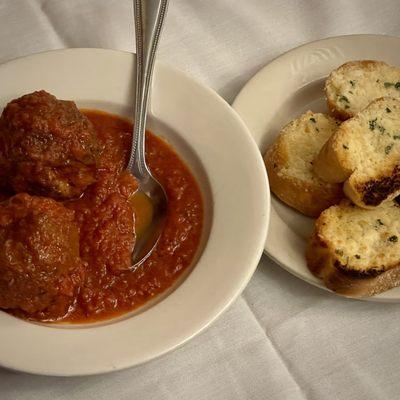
column 289, row 164
column 356, row 252
column 365, row 153
column 351, row 87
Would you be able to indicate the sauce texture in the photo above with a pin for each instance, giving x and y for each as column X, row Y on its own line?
column 106, row 219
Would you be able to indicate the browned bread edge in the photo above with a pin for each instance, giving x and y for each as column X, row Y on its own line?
column 323, row 264
column 375, row 191
column 300, row 195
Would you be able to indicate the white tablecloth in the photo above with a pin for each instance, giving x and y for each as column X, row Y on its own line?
column 282, row 339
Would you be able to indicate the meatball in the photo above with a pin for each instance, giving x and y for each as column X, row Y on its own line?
column 47, row 147
column 40, row 267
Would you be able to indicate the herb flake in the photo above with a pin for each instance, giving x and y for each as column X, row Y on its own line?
column 392, row 84
column 344, row 99
column 372, row 124
column 388, row 110
column 388, row 148
column 345, row 146
column 312, row 119
column 393, row 239
column 352, row 83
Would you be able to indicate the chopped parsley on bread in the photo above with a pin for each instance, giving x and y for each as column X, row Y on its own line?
column 289, row 164
column 364, row 153
column 356, row 252
column 352, row 86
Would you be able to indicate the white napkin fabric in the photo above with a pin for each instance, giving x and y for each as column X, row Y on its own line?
column 282, row 339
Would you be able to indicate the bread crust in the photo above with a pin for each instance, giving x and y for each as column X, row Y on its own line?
column 308, row 198
column 335, row 112
column 341, row 113
column 323, row 260
column 300, row 195
column 374, row 193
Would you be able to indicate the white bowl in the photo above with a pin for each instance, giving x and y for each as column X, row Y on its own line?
column 226, row 161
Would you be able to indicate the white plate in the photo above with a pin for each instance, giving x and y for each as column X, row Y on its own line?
column 285, row 88
column 211, row 138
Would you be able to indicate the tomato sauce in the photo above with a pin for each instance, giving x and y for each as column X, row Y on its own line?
column 107, row 213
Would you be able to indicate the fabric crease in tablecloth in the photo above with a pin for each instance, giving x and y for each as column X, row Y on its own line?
column 282, row 339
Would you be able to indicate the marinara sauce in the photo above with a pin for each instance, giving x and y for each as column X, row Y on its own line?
column 106, row 223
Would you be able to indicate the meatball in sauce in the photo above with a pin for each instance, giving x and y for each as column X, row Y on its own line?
column 40, row 267
column 66, row 238
column 47, row 147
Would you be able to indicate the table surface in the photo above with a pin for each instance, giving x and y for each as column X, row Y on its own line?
column 282, row 338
